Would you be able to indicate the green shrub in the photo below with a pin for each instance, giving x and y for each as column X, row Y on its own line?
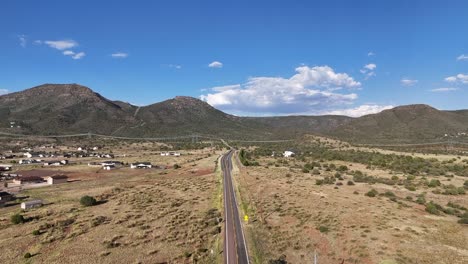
column 27, row 255
column 350, row 183
column 433, row 208
column 176, row 166
column 17, row 219
column 434, row 183
column 342, row 168
column 372, row 193
column 36, row 232
column 323, row 229
column 88, row 201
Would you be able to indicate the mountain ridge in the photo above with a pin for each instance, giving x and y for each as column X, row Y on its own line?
column 73, row 108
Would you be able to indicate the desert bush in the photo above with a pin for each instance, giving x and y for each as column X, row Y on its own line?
column 433, row 208
column 88, row 201
column 17, row 219
column 434, row 183
column 372, row 193
column 350, row 183
column 27, row 255
column 323, row 229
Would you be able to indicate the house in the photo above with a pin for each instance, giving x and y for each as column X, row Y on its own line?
column 108, row 167
column 56, row 179
column 29, row 161
column 27, row 179
column 31, row 204
column 288, row 154
column 111, row 162
column 4, row 167
column 141, row 165
column 56, row 163
column 5, row 197
column 170, row 153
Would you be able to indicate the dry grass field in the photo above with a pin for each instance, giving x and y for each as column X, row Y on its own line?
column 291, row 216
column 142, row 216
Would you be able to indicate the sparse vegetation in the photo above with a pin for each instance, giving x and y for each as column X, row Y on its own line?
column 88, row 201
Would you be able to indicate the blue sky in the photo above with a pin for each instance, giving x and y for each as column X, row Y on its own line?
column 268, row 57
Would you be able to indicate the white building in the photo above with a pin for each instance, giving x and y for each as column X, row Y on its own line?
column 56, row 179
column 141, row 165
column 288, row 154
column 31, row 204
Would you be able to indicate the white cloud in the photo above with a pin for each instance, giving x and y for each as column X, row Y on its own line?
column 463, row 78
column 120, row 55
column 451, row 79
column 226, row 88
column 175, row 66
column 38, row 42
column 22, row 40
column 3, row 91
column 309, row 90
column 370, row 66
column 68, row 53
column 361, row 110
column 215, row 64
column 462, row 57
column 78, row 55
column 444, row 89
column 408, row 82
column 368, row 70
column 61, row 44
column 370, row 54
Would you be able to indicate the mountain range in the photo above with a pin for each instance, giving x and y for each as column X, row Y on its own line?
column 52, row 109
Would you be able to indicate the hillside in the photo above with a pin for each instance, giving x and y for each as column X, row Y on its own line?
column 72, row 108
column 68, row 108
column 404, row 124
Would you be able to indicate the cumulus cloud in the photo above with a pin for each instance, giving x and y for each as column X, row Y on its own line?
column 368, row 70
column 463, row 78
column 370, row 66
column 462, row 57
column 370, row 54
column 78, row 55
column 68, row 53
column 3, row 91
column 444, row 89
column 61, row 44
column 361, row 110
column 311, row 89
column 73, row 55
column 119, row 55
column 408, row 82
column 22, row 40
column 215, row 64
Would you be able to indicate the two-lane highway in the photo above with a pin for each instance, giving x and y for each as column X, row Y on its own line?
column 235, row 248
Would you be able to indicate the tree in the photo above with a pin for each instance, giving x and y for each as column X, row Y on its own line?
column 88, row 201
column 17, row 219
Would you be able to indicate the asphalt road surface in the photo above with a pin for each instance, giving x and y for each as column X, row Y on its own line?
column 235, row 249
